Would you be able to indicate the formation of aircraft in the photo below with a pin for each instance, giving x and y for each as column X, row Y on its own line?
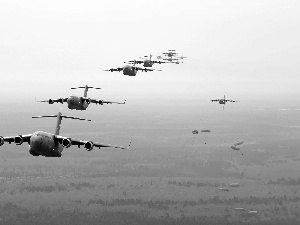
column 80, row 103
column 147, row 62
column 222, row 101
column 51, row 145
column 131, row 69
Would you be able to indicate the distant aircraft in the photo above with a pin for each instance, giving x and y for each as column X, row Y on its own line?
column 51, row 145
column 80, row 103
column 147, row 62
column 172, row 56
column 169, row 56
column 130, row 70
column 170, row 53
column 222, row 101
column 182, row 57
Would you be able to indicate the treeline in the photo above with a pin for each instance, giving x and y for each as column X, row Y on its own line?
column 289, row 181
column 56, row 187
column 165, row 204
column 191, row 183
column 13, row 215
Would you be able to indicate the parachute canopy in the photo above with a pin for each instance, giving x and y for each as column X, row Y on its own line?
column 235, row 148
column 238, row 143
column 206, row 130
column 234, row 185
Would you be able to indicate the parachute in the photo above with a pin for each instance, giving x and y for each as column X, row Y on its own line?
column 205, row 130
column 238, row 143
column 202, row 131
column 235, row 148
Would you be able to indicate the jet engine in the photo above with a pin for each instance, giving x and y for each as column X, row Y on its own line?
column 87, row 100
column 50, row 101
column 1, row 141
column 100, row 102
column 89, row 145
column 18, row 140
column 66, row 142
column 61, row 101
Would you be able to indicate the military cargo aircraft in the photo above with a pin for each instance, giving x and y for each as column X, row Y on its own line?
column 222, row 101
column 170, row 53
column 130, row 70
column 80, row 103
column 147, row 62
column 51, row 145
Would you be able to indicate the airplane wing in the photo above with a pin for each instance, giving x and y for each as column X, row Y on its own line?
column 88, row 145
column 101, row 102
column 51, row 101
column 115, row 69
column 230, row 100
column 136, row 61
column 159, row 62
column 215, row 100
column 145, row 69
column 19, row 139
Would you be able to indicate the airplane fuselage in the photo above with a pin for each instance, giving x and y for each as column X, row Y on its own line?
column 222, row 101
column 44, row 144
column 147, row 63
column 129, row 71
column 77, row 103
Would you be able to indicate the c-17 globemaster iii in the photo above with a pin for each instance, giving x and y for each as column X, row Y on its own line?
column 130, row 70
column 80, row 103
column 51, row 145
column 147, row 62
column 223, row 101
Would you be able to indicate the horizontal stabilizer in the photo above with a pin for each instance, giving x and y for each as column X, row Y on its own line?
column 87, row 87
column 62, row 116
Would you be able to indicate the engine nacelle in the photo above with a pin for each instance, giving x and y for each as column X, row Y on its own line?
column 18, row 140
column 61, row 101
column 87, row 100
column 1, row 141
column 66, row 142
column 50, row 101
column 100, row 102
column 88, row 146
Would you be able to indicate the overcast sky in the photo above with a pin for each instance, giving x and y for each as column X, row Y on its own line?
column 245, row 49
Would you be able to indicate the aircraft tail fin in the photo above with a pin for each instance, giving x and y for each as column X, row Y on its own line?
column 86, row 88
column 59, row 118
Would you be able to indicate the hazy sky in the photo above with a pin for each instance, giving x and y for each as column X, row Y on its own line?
column 244, row 49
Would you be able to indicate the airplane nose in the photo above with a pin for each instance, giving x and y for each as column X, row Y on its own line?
column 35, row 142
